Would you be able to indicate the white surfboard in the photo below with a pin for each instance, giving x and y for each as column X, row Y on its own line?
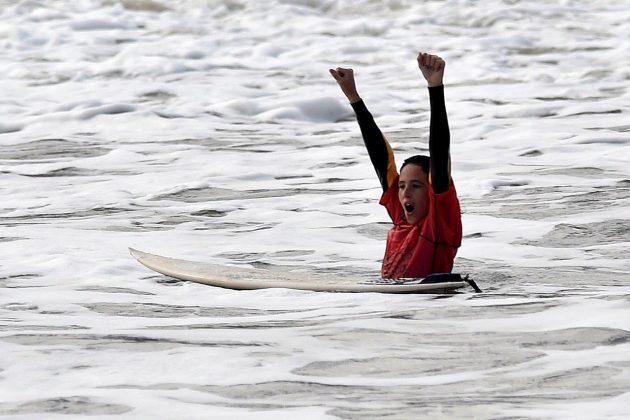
column 240, row 278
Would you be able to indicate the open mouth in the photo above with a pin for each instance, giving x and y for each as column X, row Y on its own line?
column 409, row 208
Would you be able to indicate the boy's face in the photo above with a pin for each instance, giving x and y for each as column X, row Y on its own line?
column 413, row 193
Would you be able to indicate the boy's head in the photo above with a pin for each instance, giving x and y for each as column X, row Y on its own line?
column 413, row 188
column 423, row 161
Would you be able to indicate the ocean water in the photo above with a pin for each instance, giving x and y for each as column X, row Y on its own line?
column 211, row 130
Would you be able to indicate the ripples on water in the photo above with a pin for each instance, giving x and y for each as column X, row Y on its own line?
column 210, row 130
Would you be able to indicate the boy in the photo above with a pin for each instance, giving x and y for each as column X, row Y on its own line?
column 421, row 201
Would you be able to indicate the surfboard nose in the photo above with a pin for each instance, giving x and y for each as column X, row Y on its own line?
column 134, row 253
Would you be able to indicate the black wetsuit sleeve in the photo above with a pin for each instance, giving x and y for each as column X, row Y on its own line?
column 374, row 141
column 439, row 140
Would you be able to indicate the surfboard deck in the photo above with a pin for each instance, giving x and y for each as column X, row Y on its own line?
column 240, row 278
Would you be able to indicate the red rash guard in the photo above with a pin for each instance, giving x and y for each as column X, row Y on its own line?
column 425, row 248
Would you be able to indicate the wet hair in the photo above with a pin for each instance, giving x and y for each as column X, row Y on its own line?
column 420, row 160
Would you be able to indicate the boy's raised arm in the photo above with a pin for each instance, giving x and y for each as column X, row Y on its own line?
column 378, row 149
column 432, row 68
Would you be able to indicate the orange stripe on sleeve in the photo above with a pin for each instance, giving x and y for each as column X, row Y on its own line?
column 392, row 171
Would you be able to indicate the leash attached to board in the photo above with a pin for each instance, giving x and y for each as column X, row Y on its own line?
column 472, row 283
column 446, row 277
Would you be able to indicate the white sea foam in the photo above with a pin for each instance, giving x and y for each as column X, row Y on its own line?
column 211, row 130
